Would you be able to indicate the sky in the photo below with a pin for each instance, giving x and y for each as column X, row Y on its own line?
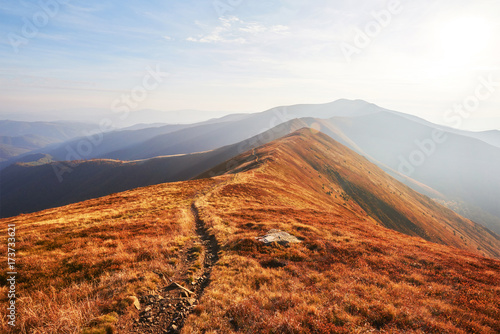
column 434, row 59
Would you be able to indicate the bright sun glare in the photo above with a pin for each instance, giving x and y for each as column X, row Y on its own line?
column 462, row 39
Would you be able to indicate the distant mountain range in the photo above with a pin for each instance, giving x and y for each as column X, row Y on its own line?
column 18, row 138
column 459, row 168
column 119, row 119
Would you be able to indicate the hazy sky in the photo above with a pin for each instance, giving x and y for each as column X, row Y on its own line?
column 421, row 57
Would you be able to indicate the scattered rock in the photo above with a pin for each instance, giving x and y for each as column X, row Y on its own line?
column 147, row 309
column 281, row 237
column 135, row 302
column 191, row 301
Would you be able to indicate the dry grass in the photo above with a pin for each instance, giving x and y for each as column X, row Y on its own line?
column 350, row 274
column 81, row 262
column 349, row 277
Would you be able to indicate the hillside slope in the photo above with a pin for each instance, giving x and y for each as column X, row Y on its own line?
column 327, row 172
column 33, row 187
column 84, row 264
column 460, row 167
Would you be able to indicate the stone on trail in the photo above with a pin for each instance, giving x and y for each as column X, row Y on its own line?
column 135, row 302
column 281, row 237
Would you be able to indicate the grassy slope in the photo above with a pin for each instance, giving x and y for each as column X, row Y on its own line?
column 349, row 274
column 83, row 260
column 323, row 171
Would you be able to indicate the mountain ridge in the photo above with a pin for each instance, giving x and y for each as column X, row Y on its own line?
column 365, row 183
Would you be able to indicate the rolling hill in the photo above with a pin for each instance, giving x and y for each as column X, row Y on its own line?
column 183, row 257
column 97, row 144
column 390, row 139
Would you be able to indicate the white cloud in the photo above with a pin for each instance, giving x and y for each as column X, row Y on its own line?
column 234, row 30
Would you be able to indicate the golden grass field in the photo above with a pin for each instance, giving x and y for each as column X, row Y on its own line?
column 352, row 273
column 84, row 260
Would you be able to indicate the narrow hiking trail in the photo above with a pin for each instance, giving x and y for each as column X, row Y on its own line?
column 165, row 310
column 255, row 155
column 210, row 251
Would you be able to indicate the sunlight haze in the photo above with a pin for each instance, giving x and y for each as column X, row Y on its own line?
column 420, row 58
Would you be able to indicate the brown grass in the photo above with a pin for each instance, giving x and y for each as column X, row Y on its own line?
column 80, row 262
column 349, row 274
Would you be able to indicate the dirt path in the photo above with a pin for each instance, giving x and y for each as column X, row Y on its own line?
column 256, row 156
column 166, row 310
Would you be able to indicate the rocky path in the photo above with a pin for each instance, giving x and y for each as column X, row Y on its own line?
column 166, row 310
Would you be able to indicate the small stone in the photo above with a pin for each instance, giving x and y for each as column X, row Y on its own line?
column 282, row 238
column 174, row 327
column 135, row 302
column 147, row 309
column 191, row 301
